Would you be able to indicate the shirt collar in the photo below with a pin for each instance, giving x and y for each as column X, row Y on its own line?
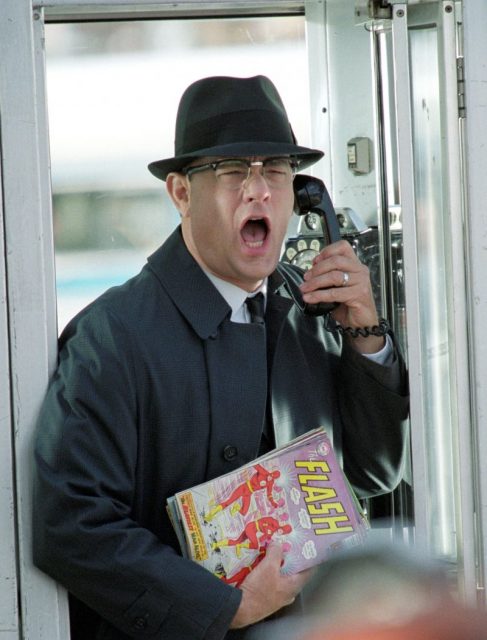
column 235, row 296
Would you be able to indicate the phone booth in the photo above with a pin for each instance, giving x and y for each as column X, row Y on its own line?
column 393, row 92
column 396, row 109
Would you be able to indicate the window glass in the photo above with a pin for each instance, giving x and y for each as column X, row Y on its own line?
column 113, row 91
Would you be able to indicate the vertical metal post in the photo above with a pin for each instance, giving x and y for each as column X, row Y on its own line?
column 475, row 55
column 318, row 84
column 407, row 198
column 458, row 340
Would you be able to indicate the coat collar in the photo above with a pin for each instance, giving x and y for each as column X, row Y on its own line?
column 200, row 302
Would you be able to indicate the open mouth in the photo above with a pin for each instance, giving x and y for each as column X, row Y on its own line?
column 254, row 232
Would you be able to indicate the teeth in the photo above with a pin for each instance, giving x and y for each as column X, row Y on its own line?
column 255, row 245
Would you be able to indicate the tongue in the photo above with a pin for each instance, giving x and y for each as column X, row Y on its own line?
column 254, row 231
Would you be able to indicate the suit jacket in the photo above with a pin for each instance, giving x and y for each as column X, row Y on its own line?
column 156, row 390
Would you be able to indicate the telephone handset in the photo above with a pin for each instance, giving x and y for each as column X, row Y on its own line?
column 311, row 195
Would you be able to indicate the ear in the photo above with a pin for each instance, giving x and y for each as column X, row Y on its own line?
column 179, row 189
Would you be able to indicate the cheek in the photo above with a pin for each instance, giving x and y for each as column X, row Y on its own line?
column 286, row 206
column 290, row 205
column 209, row 208
column 286, row 202
column 209, row 226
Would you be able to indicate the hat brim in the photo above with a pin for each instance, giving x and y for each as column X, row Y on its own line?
column 305, row 156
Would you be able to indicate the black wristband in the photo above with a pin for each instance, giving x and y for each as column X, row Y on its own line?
column 354, row 332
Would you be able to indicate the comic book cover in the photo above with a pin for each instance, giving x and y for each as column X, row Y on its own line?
column 297, row 495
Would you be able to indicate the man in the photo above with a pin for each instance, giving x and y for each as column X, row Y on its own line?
column 164, row 382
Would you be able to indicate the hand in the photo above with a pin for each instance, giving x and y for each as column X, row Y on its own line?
column 266, row 590
column 325, row 282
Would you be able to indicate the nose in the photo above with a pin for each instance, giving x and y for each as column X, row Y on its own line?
column 255, row 186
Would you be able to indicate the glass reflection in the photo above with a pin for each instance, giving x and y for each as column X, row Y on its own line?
column 433, row 288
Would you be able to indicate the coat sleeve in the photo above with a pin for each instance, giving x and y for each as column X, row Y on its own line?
column 373, row 403
column 369, row 402
column 86, row 533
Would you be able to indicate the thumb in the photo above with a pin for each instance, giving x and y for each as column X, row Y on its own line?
column 274, row 554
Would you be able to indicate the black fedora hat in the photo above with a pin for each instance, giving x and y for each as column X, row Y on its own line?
column 224, row 116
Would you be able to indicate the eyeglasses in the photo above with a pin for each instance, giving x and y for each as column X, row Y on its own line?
column 233, row 173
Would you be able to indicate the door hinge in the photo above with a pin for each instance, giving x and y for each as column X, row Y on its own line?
column 461, row 87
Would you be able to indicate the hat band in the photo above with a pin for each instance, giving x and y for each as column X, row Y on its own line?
column 256, row 125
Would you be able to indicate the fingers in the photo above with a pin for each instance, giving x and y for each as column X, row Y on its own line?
column 345, row 280
column 337, row 275
column 274, row 555
column 266, row 590
column 338, row 278
column 342, row 248
column 330, row 266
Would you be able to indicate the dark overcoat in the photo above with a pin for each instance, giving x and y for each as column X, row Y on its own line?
column 156, row 390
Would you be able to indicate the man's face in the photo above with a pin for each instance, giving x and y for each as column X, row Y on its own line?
column 234, row 233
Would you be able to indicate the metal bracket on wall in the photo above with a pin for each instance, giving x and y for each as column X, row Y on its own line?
column 380, row 9
column 373, row 10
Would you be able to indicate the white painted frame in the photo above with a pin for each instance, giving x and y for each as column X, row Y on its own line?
column 9, row 620
column 29, row 282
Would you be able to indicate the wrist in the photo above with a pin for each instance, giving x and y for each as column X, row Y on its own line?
column 370, row 339
column 369, row 345
column 377, row 330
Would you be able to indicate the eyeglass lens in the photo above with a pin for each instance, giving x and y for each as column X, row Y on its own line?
column 233, row 174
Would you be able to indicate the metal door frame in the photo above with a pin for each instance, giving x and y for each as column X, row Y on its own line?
column 27, row 284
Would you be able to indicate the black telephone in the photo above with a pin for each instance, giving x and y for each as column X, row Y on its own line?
column 311, row 196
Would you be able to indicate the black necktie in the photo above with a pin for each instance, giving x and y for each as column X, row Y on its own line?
column 255, row 305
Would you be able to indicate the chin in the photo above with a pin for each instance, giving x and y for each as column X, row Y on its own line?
column 264, row 269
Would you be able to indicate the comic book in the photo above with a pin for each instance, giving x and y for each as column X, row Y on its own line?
column 296, row 494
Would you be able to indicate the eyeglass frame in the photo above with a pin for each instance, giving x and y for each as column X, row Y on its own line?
column 293, row 163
